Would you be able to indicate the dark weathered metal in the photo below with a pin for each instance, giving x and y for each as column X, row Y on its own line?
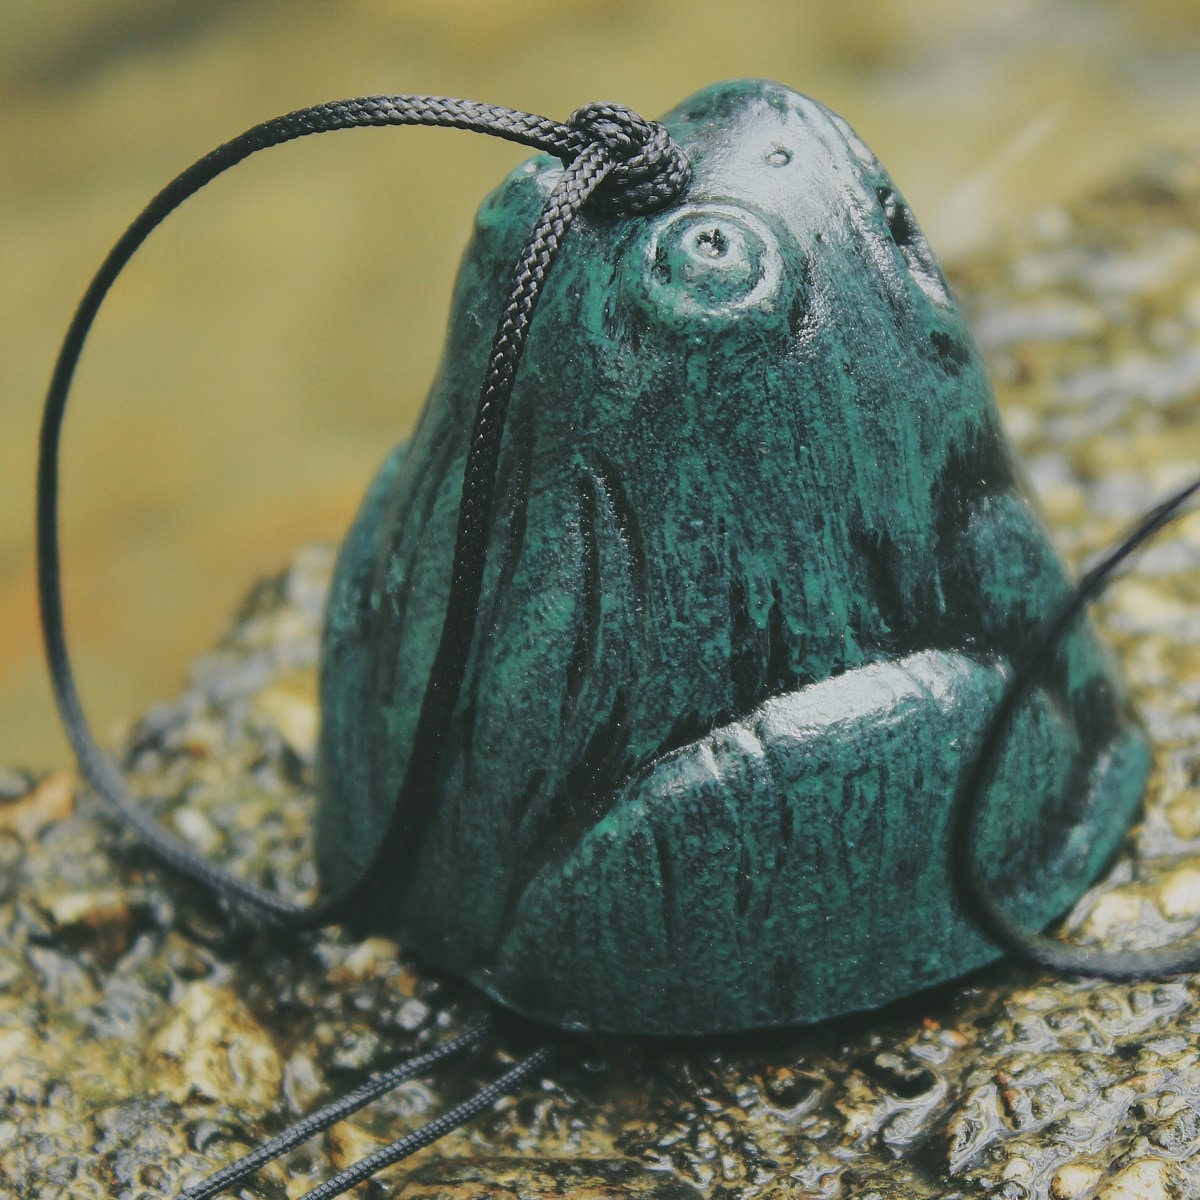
column 760, row 565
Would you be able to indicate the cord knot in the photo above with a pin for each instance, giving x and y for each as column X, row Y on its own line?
column 649, row 169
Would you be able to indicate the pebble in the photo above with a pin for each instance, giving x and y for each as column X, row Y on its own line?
column 1146, row 1179
column 210, row 1046
column 1073, row 1181
column 1179, row 893
column 49, row 802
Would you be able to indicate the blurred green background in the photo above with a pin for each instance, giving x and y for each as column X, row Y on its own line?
column 275, row 337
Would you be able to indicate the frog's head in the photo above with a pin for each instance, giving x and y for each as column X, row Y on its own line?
column 789, row 213
column 792, row 268
column 783, row 324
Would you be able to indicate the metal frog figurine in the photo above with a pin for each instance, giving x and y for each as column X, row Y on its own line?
column 759, row 567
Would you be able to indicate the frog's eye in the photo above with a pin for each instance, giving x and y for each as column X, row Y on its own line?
column 910, row 241
column 703, row 262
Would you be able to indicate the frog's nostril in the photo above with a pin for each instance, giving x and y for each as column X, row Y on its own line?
column 712, row 242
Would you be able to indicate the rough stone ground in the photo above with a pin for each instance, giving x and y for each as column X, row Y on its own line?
column 142, row 1045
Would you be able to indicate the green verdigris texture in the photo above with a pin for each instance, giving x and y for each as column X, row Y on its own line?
column 760, row 565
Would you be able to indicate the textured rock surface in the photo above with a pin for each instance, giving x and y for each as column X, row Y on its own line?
column 141, row 1044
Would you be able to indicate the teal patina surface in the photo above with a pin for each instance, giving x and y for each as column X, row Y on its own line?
column 761, row 563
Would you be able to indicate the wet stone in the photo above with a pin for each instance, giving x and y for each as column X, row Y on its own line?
column 27, row 807
column 538, row 1179
column 144, row 1043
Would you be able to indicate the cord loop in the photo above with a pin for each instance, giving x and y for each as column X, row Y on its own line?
column 603, row 144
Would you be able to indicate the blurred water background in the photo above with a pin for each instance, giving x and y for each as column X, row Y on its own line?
column 279, row 333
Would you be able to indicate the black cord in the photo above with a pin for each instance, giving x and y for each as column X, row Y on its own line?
column 339, row 1110
column 612, row 156
column 428, row 1133
column 1064, row 958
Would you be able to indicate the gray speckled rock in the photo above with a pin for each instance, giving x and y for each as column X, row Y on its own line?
column 142, row 1043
